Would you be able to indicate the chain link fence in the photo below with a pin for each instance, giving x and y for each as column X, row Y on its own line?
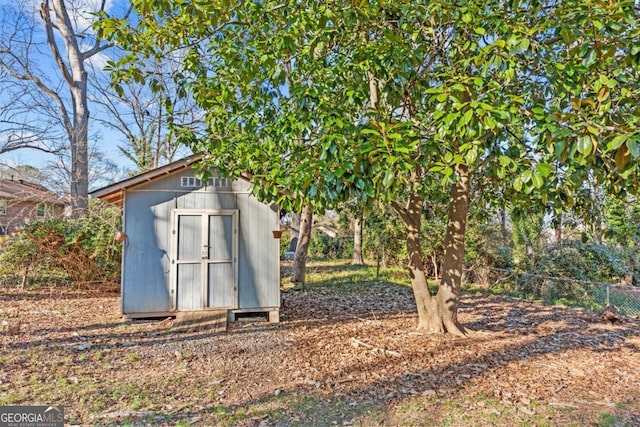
column 559, row 290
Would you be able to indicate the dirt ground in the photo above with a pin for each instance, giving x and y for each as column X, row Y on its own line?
column 336, row 358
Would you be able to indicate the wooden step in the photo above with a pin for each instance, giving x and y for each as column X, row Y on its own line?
column 200, row 321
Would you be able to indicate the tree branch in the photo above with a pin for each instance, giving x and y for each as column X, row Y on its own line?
column 45, row 13
column 29, row 76
column 97, row 48
column 402, row 211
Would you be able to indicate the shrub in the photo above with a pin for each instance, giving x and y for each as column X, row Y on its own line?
column 327, row 247
column 582, row 261
column 79, row 250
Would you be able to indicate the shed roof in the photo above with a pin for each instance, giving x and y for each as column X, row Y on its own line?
column 27, row 191
column 114, row 193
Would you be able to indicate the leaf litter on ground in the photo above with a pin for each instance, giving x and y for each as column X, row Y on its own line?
column 347, row 358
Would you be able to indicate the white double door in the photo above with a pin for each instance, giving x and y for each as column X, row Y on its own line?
column 205, row 259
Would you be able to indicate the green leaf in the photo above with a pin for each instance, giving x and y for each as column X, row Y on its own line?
column 560, row 149
column 537, row 180
column 387, row 181
column 489, row 122
column 585, row 145
column 369, row 131
column 448, row 157
column 466, row 118
column 591, row 57
column 592, row 130
column 517, row 184
column 616, row 142
column 471, row 156
column 544, row 169
column 504, row 161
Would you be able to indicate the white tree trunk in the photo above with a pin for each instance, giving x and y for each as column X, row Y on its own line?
column 357, row 258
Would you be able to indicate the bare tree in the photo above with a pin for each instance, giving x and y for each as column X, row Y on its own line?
column 28, row 117
column 144, row 117
column 102, row 170
column 63, row 35
column 24, row 172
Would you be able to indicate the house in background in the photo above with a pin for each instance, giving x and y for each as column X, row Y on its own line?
column 22, row 202
column 194, row 245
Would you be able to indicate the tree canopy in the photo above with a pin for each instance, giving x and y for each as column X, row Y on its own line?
column 392, row 101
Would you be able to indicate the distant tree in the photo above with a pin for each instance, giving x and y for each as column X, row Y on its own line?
column 527, row 233
column 622, row 216
column 22, row 41
column 25, row 172
column 358, row 227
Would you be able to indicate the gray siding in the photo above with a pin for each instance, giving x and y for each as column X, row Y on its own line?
column 259, row 256
column 146, row 261
column 205, row 200
column 146, row 258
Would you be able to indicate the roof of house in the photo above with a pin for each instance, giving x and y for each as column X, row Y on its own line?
column 28, row 192
column 114, row 193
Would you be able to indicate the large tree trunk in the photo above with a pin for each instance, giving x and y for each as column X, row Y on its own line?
column 304, row 238
column 76, row 77
column 80, row 150
column 74, row 72
column 412, row 217
column 453, row 262
column 357, row 240
column 438, row 313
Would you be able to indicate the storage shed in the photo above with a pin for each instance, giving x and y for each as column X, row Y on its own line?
column 191, row 245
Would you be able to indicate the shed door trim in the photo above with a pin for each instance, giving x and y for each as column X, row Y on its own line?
column 206, row 261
